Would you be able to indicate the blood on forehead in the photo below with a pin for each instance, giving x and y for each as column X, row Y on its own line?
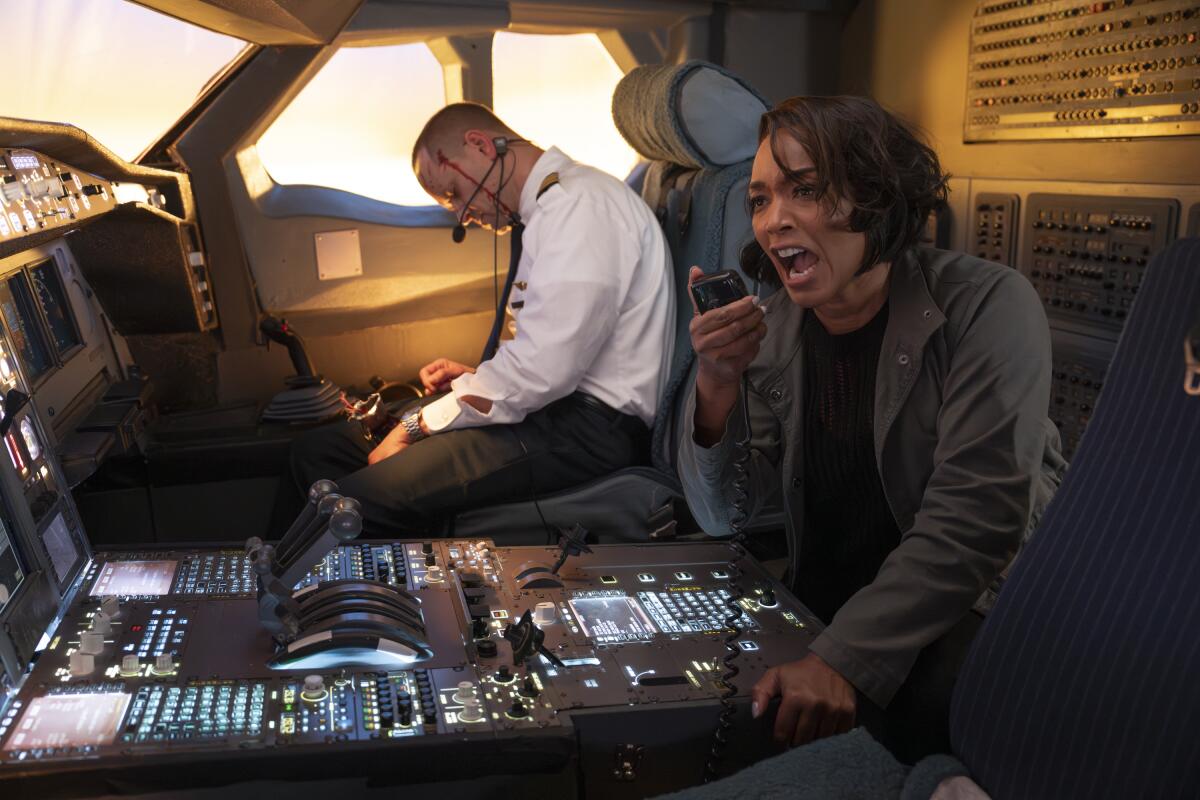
column 443, row 161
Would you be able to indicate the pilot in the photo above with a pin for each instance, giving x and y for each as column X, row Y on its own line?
column 897, row 399
column 572, row 395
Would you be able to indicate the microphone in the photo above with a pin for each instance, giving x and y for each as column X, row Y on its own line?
column 458, row 232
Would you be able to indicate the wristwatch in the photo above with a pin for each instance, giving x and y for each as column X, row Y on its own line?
column 411, row 420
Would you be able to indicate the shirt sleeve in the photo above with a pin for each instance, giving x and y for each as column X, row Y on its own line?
column 708, row 474
column 581, row 252
column 976, row 504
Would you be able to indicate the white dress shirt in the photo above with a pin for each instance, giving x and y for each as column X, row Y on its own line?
column 593, row 304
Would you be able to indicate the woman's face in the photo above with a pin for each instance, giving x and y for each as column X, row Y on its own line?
column 812, row 248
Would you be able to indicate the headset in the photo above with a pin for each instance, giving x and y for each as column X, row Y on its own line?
column 500, row 143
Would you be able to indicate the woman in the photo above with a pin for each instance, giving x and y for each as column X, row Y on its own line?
column 898, row 403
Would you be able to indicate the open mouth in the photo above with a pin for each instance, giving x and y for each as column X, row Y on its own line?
column 797, row 262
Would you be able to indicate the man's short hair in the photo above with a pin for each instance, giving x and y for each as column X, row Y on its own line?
column 444, row 129
column 866, row 156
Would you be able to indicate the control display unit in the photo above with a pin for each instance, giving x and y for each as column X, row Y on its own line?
column 1064, row 69
column 609, row 617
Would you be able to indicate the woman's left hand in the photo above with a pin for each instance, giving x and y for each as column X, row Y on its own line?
column 816, row 700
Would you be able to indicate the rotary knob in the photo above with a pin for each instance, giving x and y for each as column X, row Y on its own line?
column 82, row 664
column 544, row 614
column 464, row 692
column 163, row 665
column 91, row 642
column 101, row 623
column 130, row 666
column 434, row 575
column 314, row 689
column 111, row 606
column 472, row 711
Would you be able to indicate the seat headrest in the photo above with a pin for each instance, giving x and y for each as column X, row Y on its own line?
column 696, row 114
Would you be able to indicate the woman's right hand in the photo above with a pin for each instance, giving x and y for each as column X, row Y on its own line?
column 725, row 339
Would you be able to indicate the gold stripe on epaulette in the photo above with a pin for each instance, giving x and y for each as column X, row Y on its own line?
column 547, row 182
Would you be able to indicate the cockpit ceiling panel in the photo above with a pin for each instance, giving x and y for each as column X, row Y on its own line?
column 265, row 22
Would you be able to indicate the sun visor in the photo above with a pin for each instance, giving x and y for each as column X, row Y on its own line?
column 696, row 114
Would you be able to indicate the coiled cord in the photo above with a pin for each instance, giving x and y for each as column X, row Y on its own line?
column 733, row 607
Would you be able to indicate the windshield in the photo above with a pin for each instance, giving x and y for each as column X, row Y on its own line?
column 121, row 72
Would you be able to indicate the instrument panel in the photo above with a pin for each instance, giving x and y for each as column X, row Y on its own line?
column 1065, row 69
column 161, row 654
column 39, row 193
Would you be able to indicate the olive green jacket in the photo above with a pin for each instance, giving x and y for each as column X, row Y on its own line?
column 967, row 455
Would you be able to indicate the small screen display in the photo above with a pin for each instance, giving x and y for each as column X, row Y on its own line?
column 52, row 296
column 126, row 578
column 60, row 546
column 69, row 720
column 611, row 618
column 23, row 159
column 20, row 314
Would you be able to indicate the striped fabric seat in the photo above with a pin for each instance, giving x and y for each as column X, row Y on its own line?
column 1085, row 680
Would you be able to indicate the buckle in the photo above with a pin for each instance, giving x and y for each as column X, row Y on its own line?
column 1191, row 354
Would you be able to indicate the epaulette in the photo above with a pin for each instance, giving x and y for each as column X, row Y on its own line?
column 547, row 182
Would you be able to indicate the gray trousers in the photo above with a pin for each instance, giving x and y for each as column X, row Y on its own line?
column 569, row 442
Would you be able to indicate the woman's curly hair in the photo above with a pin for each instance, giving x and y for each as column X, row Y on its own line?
column 866, row 157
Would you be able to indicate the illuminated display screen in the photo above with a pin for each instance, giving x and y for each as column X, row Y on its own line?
column 60, row 546
column 611, row 618
column 32, row 445
column 23, row 159
column 10, row 569
column 48, row 286
column 21, row 316
column 69, row 720
column 14, row 455
column 125, row 578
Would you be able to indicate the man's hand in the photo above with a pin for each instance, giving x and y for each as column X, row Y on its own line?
column 436, row 375
column 816, row 700
column 393, row 443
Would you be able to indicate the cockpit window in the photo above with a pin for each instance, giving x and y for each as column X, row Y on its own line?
column 557, row 90
column 353, row 126
column 119, row 71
